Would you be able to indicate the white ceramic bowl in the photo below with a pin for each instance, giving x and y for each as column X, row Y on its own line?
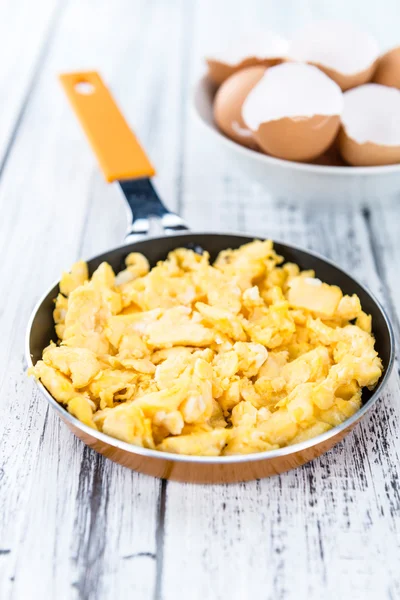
column 298, row 181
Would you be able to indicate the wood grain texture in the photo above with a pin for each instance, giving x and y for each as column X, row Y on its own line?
column 26, row 30
column 73, row 525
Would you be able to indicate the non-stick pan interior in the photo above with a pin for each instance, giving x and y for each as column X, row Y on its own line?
column 42, row 330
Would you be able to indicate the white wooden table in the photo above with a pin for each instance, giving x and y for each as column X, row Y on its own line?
column 73, row 525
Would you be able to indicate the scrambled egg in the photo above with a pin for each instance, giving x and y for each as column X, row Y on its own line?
column 246, row 355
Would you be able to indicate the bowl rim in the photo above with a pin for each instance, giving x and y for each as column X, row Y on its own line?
column 248, row 153
column 235, row 458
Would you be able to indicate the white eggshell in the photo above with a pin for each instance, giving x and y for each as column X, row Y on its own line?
column 294, row 111
column 370, row 133
column 262, row 48
column 345, row 53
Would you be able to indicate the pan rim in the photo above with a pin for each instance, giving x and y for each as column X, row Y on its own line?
column 236, row 458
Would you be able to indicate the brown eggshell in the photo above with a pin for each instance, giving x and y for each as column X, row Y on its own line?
column 218, row 71
column 346, row 82
column 331, row 157
column 388, row 70
column 301, row 139
column 367, row 154
column 228, row 104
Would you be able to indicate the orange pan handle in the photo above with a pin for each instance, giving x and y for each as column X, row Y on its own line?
column 118, row 151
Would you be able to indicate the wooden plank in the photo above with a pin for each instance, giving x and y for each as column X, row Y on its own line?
column 74, row 525
column 26, row 29
column 329, row 529
column 71, row 523
column 381, row 222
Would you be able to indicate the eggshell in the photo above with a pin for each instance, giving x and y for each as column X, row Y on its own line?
column 309, row 137
column 260, row 49
column 228, row 104
column 368, row 154
column 294, row 111
column 388, row 70
column 346, row 54
column 331, row 157
column 370, row 133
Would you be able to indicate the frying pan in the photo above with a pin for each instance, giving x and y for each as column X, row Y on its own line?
column 121, row 158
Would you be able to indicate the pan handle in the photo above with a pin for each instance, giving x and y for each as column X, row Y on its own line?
column 119, row 153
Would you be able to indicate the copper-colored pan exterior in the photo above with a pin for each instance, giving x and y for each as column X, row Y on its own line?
column 215, row 469
column 199, row 472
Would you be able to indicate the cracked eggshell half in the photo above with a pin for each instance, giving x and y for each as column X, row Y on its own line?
column 388, row 70
column 370, row 133
column 294, row 111
column 346, row 54
column 263, row 48
column 228, row 104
